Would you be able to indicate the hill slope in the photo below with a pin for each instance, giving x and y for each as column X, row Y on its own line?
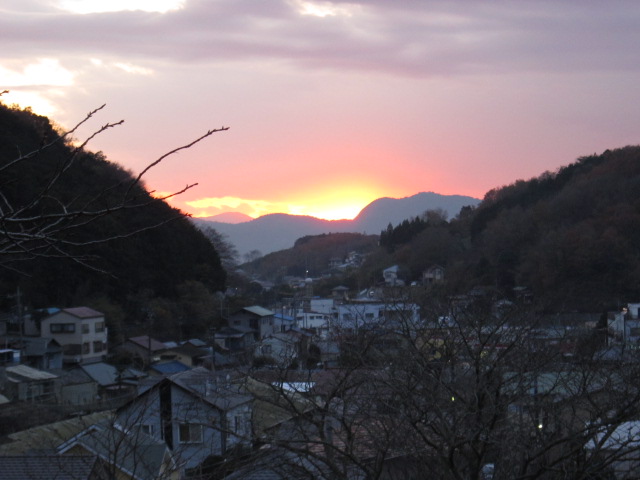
column 126, row 271
column 572, row 237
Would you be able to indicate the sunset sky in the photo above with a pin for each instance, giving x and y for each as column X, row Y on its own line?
column 330, row 104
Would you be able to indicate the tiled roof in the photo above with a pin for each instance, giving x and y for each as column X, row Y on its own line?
column 47, row 436
column 138, row 455
column 50, row 467
column 213, row 388
column 149, row 343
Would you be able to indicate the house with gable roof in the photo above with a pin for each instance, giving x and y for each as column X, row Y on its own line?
column 23, row 383
column 81, row 331
column 145, row 348
column 259, row 319
column 198, row 413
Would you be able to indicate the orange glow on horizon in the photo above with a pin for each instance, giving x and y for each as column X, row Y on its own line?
column 331, row 204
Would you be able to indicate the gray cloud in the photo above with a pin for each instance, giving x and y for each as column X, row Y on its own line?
column 408, row 38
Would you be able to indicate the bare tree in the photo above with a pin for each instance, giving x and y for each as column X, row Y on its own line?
column 226, row 250
column 475, row 390
column 46, row 222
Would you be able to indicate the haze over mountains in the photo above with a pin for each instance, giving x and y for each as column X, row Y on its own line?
column 279, row 231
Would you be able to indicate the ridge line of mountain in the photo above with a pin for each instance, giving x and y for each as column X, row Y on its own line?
column 278, row 231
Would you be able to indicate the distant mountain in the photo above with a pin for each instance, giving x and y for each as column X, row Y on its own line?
column 376, row 216
column 228, row 217
column 279, row 231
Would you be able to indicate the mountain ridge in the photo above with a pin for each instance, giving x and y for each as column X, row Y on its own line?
column 279, row 231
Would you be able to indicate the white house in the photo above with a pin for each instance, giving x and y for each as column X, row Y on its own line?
column 625, row 325
column 621, row 443
column 81, row 331
column 355, row 315
column 317, row 322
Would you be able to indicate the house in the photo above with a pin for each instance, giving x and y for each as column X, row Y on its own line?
column 23, row 383
column 283, row 322
column 258, row 319
column 81, row 331
column 41, row 352
column 391, row 276
column 113, row 383
column 187, row 353
column 340, row 292
column 198, row 413
column 146, row 349
column 237, row 341
column 126, row 453
column 621, row 443
column 432, row 275
column 318, row 323
column 285, row 348
column 355, row 315
column 77, row 388
column 329, row 352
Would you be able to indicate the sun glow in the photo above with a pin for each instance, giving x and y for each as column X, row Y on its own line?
column 322, row 9
column 338, row 203
column 337, row 212
column 335, row 204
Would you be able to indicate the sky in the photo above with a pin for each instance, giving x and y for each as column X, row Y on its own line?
column 330, row 104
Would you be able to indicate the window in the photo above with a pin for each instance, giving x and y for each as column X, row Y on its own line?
column 147, row 429
column 85, row 328
column 62, row 328
column 86, row 348
column 190, row 433
column 99, row 327
column 98, row 347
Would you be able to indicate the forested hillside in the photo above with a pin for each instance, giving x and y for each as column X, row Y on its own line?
column 166, row 270
column 311, row 255
column 572, row 236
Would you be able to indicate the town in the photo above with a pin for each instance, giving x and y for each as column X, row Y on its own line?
column 390, row 382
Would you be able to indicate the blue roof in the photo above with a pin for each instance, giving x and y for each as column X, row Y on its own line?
column 169, row 368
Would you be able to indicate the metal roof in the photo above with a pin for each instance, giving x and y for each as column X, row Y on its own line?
column 169, row 368
column 257, row 310
column 30, row 373
column 37, row 467
column 83, row 312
